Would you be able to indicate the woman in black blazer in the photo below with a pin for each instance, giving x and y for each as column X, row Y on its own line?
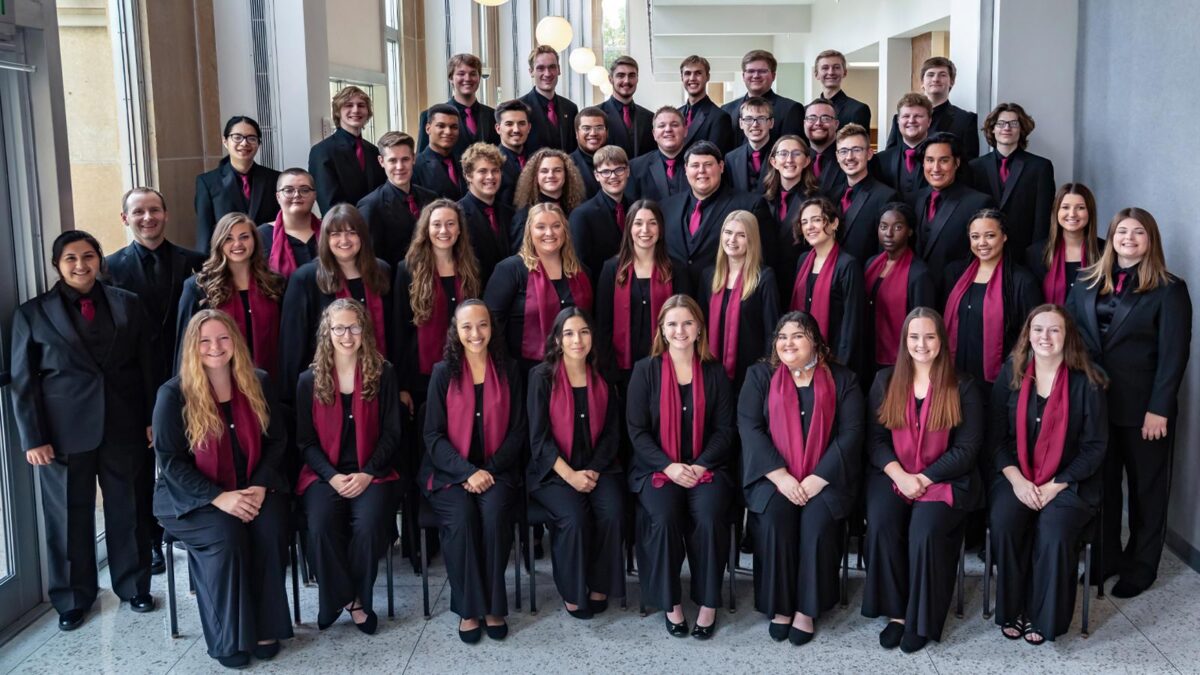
column 573, row 470
column 475, row 438
column 548, row 176
column 291, row 240
column 787, row 182
column 925, row 428
column 1136, row 320
column 800, row 417
column 1072, row 244
column 220, row 440
column 82, row 389
column 680, row 419
column 829, row 281
column 236, row 280
column 1048, row 433
column 897, row 282
column 237, row 184
column 348, row 430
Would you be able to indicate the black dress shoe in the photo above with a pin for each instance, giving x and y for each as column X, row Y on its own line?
column 597, row 606
column 1126, row 589
column 704, row 632
column 266, row 652
column 142, row 603
column 890, row 636
column 71, row 619
column 371, row 624
column 496, row 632
column 911, row 642
column 158, row 564
column 778, row 631
column 678, row 630
column 237, row 661
column 470, row 636
column 799, row 637
column 580, row 612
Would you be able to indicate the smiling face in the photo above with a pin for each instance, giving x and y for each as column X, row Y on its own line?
column 704, row 174
column 344, row 245
column 484, row 179
column 513, row 127
column 1130, row 241
column 146, row 218
column 465, row 81
column 914, row 122
column 624, row 80
column 215, row 345
column 680, row 328
column 936, row 82
column 793, row 346
column 853, row 155
column 820, row 123
column 816, row 228
column 695, row 80
column 78, row 265
column 922, row 341
column 551, row 177
column 645, row 230
column 297, row 195
column 591, row 134
column 894, row 232
column 790, row 159
column 444, row 228
column 345, row 321
column 987, row 239
column 733, row 240
column 1007, row 129
column 757, row 77
column 669, row 133
column 238, row 247
column 242, row 142
column 940, row 165
column 1073, row 213
column 576, row 340
column 830, row 72
column 397, row 162
column 614, row 182
column 548, row 233
column 545, row 73
column 354, row 114
column 473, row 328
column 1047, row 335
column 442, row 129
column 756, row 123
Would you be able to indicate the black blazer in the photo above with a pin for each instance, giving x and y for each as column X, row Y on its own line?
column 958, row 465
column 544, row 450
column 788, row 114
column 859, row 229
column 757, row 317
column 636, row 140
column 919, row 293
column 643, row 418
column 387, row 445
column 1037, row 266
column 847, row 307
column 648, row 178
column 189, row 305
column 429, row 172
column 505, row 297
column 390, row 221
column 1026, row 199
column 219, row 192
column 832, row 178
column 1145, row 350
column 333, row 164
column 595, row 232
column 490, row 248
column 946, row 239
column 510, row 173
column 739, row 171
column 181, row 488
column 1021, row 292
column 1087, row 432
column 587, row 170
column 842, row 462
column 541, row 134
column 485, row 123
column 404, row 344
column 790, row 246
column 889, row 167
column 602, row 337
column 700, row 251
column 709, row 123
column 61, row 396
column 948, row 117
column 851, row 110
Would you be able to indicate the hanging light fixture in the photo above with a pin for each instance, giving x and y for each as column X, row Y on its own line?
column 582, row 59
column 491, row 3
column 554, row 31
column 597, row 76
column 606, row 88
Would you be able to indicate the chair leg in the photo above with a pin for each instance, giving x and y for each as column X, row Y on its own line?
column 171, row 609
column 532, row 577
column 845, row 565
column 733, row 557
column 424, row 535
column 962, row 562
column 1100, row 547
column 859, row 557
column 1087, row 582
column 987, row 573
column 191, row 579
column 295, row 584
column 517, row 560
column 303, row 554
column 390, row 567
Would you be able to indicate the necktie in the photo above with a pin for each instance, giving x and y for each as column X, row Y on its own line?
column 245, row 186
column 470, row 121
column 1120, row 282
column 910, row 159
column 931, row 211
column 626, row 116
column 490, row 212
column 87, row 307
column 1003, row 170
column 694, row 219
column 552, row 114
column 689, row 116
column 846, row 200
column 756, row 160
column 783, row 205
column 413, row 208
column 359, row 155
column 521, row 160
column 817, row 165
column 449, row 163
column 671, row 168
column 620, row 216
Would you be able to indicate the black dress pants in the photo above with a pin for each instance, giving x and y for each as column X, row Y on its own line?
column 674, row 521
column 585, row 537
column 477, row 538
column 796, row 557
column 1146, row 465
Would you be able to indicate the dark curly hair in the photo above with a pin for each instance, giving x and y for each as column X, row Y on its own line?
column 810, row 328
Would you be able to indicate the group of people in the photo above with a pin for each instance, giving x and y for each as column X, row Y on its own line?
column 652, row 325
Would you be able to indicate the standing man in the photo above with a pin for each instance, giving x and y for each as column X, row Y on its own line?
column 591, row 134
column 830, row 70
column 486, row 217
column 899, row 165
column 863, row 198
column 437, row 168
column 659, row 174
column 629, row 125
column 820, row 126
column 392, row 209
column 551, row 117
column 937, row 79
column 344, row 165
column 512, row 124
column 597, row 224
column 476, row 121
column 702, row 118
column 758, row 74
column 746, row 164
column 944, row 208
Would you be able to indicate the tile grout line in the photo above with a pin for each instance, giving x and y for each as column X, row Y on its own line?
column 50, row 637
column 1143, row 634
column 425, row 625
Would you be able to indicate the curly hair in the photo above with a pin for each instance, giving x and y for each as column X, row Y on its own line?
column 346, row 218
column 215, row 279
column 1075, row 354
column 810, row 328
column 201, row 419
column 527, row 193
column 422, row 265
column 454, row 355
column 369, row 359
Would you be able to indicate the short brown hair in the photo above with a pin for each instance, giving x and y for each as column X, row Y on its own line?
column 344, row 96
column 538, row 51
column 760, row 55
column 914, row 99
column 624, row 60
column 667, row 109
column 756, row 102
column 939, row 62
column 853, row 129
column 610, row 154
column 1026, row 122
column 141, row 191
column 695, row 60
column 477, row 152
column 829, row 54
column 395, row 138
column 590, row 111
column 468, row 60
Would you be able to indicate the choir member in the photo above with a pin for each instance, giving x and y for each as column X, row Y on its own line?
column 829, row 68
column 897, row 282
column 1136, row 320
column 629, row 124
column 475, row 434
column 702, row 118
column 789, row 181
column 81, row 395
column 512, row 123
column 746, row 164
column 220, row 438
column 548, row 177
column 573, row 470
column 237, row 184
column 658, row 175
column 1072, row 244
column 680, row 420
column 1049, row 431
column 436, row 167
column 821, row 127
column 485, row 216
column 344, row 165
column 551, row 117
column 236, row 280
column 937, row 79
column 1020, row 182
column 597, row 225
column 759, row 68
column 899, row 165
column 863, row 198
column 829, row 281
column 291, row 240
column 392, row 209
column 991, row 296
column 348, row 430
column 477, row 122
column 925, row 430
column 800, row 416
column 591, row 134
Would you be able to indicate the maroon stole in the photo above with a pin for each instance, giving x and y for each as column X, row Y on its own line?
column 431, row 335
column 890, row 303
column 541, row 306
column 282, row 260
column 375, row 309
column 460, row 411
column 917, row 447
column 214, row 456
column 1054, row 286
column 327, row 422
column 787, row 432
column 725, row 344
column 821, row 293
column 993, row 317
column 670, row 412
column 1040, row 465
column 622, row 341
column 562, row 408
column 264, row 317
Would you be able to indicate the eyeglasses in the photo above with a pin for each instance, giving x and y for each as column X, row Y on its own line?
column 753, row 121
column 290, row 191
column 612, row 173
column 340, row 331
column 784, row 155
column 823, row 119
column 853, row 150
column 756, row 72
column 238, row 139
column 589, row 129
column 1007, row 124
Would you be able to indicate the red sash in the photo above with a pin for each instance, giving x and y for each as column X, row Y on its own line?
column 993, row 317
column 917, row 447
column 282, row 260
column 670, row 411
column 821, row 291
column 460, row 411
column 621, row 338
column 431, row 335
column 214, row 456
column 725, row 344
column 375, row 309
column 787, row 431
column 562, row 408
column 1054, row 286
column 542, row 306
column 327, row 422
column 264, row 319
column 891, row 300
column 1040, row 465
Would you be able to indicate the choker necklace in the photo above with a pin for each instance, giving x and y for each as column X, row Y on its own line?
column 808, row 366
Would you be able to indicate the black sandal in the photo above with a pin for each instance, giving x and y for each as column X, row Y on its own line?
column 1029, row 632
column 1017, row 626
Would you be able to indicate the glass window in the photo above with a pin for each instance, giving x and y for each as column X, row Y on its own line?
column 615, row 29
column 368, row 131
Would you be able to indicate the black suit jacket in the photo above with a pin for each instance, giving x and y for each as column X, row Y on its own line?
column 859, row 229
column 219, row 192
column 832, row 178
column 788, row 114
column 709, row 123
column 490, row 247
column 948, row 117
column 889, row 167
column 595, row 232
column 739, row 170
column 510, row 173
column 429, row 171
column 638, row 139
column 851, row 111
column 1026, row 199
column 648, row 178
column 700, row 251
column 1021, row 293
column 757, row 316
column 333, row 163
column 485, row 123
column 389, row 219
column 847, row 306
column 541, row 134
column 587, row 170
column 946, row 239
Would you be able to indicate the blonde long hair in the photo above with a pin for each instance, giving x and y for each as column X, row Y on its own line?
column 1152, row 271
column 201, row 418
column 570, row 263
column 369, row 359
column 752, row 267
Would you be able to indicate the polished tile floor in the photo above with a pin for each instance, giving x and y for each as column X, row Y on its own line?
column 1155, row 633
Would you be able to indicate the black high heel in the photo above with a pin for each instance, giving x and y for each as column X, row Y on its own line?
column 322, row 625
column 580, row 612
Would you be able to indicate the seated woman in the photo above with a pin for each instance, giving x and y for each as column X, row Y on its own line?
column 573, row 471
column 680, row 419
column 348, row 430
column 219, row 439
column 897, row 282
column 475, row 436
column 236, row 280
column 829, row 281
column 291, row 240
column 801, row 421
column 1049, row 432
column 924, row 434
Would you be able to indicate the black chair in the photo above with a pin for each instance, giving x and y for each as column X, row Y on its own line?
column 536, row 514
column 730, row 518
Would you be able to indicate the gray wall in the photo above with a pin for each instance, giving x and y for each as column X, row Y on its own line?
column 1136, row 145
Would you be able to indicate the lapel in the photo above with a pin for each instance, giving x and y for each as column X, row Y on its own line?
column 538, row 117
column 354, row 179
column 709, row 214
column 635, row 131
column 179, row 272
column 135, row 266
column 658, row 172
column 232, row 185
column 55, row 307
column 463, row 132
column 1014, row 173
column 120, row 321
column 1091, row 328
column 860, row 196
column 944, row 210
column 993, row 172
column 258, row 190
column 698, row 115
column 617, row 133
column 1124, row 307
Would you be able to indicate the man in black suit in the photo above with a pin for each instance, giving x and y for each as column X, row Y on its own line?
column 436, row 167
column 937, row 79
column 597, row 224
column 863, row 198
column 629, row 125
column 758, row 74
column 703, row 119
column 476, row 121
column 591, row 134
column 344, row 165
column 551, row 117
column 820, row 126
column 692, row 219
column 512, row 124
column 1021, row 182
column 153, row 269
column 945, row 207
column 746, row 164
column 830, row 70
column 393, row 209
column 899, row 165
column 660, row 174
column 486, row 216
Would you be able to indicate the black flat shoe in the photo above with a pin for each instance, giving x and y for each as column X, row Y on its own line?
column 778, row 631
column 71, row 619
column 266, row 652
column 470, row 636
column 704, row 632
column 597, row 606
column 158, row 563
column 890, row 636
column 1126, row 589
column 678, row 630
column 911, row 642
column 370, row 624
column 496, row 632
column 237, row 661
column 579, row 612
column 799, row 637
column 142, row 603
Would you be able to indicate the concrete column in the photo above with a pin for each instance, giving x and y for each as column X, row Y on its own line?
column 895, row 80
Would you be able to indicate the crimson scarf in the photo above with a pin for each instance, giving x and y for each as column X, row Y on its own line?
column 993, row 316
column 787, row 431
column 214, row 456
column 460, row 411
column 431, row 335
column 375, row 309
column 562, row 408
column 1040, row 465
column 670, row 410
column 282, row 260
column 264, row 319
column 917, row 447
column 327, row 422
column 622, row 340
column 542, row 305
column 725, row 344
column 1054, row 286
column 821, row 291
column 890, row 303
